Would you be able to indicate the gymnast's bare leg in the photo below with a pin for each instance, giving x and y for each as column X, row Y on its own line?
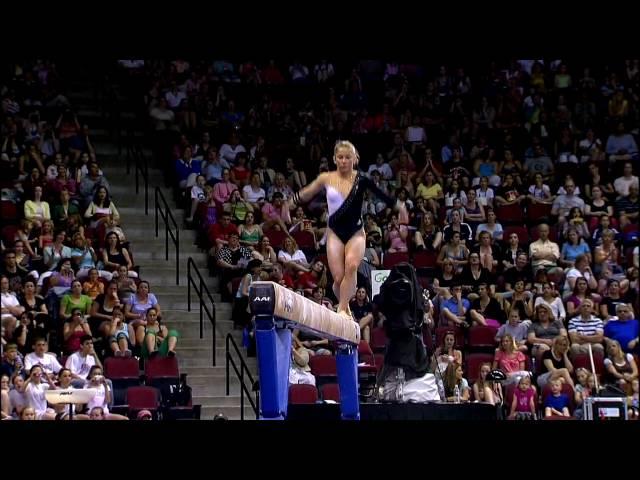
column 343, row 263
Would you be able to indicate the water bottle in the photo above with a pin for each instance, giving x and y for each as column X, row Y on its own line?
column 456, row 394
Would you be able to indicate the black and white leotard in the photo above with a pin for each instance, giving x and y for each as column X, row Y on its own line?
column 345, row 214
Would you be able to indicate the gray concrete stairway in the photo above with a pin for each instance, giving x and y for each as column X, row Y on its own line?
column 194, row 354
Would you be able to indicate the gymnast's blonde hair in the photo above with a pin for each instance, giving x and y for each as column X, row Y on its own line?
column 346, row 144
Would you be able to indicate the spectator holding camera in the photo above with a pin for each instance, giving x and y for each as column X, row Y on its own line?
column 74, row 330
column 103, row 396
column 35, row 387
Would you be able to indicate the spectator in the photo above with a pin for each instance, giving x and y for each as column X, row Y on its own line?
column 550, row 297
column 543, row 330
column 103, row 396
column 539, row 192
column 292, row 257
column 73, row 300
column 628, row 208
column 158, row 340
column 214, row 167
column 232, row 259
column 555, row 363
column 453, row 377
column 509, row 359
column 114, row 255
column 624, row 330
column 101, row 208
column 121, row 335
column 12, row 363
column 473, row 275
column 136, row 309
column 228, row 151
column 455, row 308
column 612, row 299
column 517, row 329
column 484, row 193
column 621, row 367
column 586, row 329
column 544, row 253
column 219, row 233
column 508, row 193
column 37, row 210
column 621, row 145
column 74, row 330
column 585, row 388
column 362, row 310
column 80, row 363
column 34, row 390
column 90, row 184
column 222, row 190
column 523, row 406
column 495, row 229
column 581, row 291
column 484, row 390
column 187, row 169
column 557, row 403
column 622, row 184
column 396, row 235
column 11, row 308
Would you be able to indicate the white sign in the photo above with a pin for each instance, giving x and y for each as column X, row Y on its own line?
column 377, row 278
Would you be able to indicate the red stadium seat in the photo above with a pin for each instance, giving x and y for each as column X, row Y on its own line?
column 143, row 398
column 330, row 391
column 303, row 394
column 323, row 365
column 510, row 214
column 378, row 339
column 538, row 213
column 481, row 336
column 391, row 259
column 582, row 360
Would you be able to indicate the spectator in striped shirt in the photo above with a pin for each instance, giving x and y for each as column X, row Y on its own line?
column 586, row 329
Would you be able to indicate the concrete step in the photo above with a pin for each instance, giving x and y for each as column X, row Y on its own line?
column 195, row 342
column 223, row 324
column 201, row 374
column 187, row 363
column 207, row 393
column 232, row 413
column 220, row 400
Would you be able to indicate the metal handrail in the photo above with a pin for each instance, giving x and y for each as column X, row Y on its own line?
column 167, row 216
column 244, row 390
column 202, row 290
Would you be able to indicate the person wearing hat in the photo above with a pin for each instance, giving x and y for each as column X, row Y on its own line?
column 300, row 371
column 144, row 415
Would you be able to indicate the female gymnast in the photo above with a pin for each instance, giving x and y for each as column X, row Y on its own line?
column 345, row 236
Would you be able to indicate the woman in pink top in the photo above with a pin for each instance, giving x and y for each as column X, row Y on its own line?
column 222, row 190
column 396, row 235
column 509, row 359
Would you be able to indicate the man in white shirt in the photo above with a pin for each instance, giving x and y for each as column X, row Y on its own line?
column 80, row 363
column 382, row 167
column 228, row 151
column 39, row 356
column 622, row 184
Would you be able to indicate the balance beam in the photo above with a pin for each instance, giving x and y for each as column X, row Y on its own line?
column 277, row 311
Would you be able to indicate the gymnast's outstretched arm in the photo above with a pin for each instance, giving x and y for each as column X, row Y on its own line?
column 308, row 192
